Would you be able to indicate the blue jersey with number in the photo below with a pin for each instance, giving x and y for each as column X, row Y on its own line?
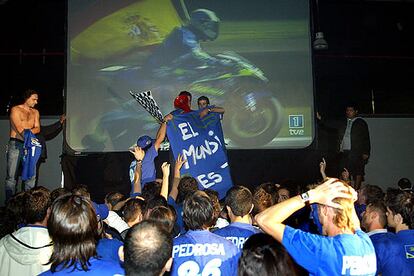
column 32, row 151
column 203, row 253
column 344, row 254
column 237, row 233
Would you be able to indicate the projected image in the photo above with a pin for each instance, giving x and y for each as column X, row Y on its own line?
column 251, row 58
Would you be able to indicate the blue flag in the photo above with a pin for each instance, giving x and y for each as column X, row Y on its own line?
column 201, row 142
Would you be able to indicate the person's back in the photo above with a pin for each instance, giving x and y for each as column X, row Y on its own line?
column 239, row 204
column 198, row 250
column 27, row 250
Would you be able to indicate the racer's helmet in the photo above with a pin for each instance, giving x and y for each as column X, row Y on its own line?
column 206, row 23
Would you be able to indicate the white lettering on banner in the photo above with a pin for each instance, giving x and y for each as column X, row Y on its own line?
column 198, row 249
column 198, row 153
column 237, row 241
column 359, row 265
column 185, row 128
column 215, row 177
column 191, row 268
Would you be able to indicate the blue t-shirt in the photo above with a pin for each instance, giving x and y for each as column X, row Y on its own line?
column 148, row 173
column 107, row 249
column 385, row 245
column 405, row 257
column 97, row 267
column 179, row 210
column 32, row 151
column 237, row 233
column 344, row 254
column 203, row 253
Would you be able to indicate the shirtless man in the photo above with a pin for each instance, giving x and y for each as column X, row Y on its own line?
column 23, row 116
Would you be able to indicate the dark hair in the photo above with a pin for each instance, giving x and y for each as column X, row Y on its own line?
column 261, row 201
column 13, row 214
column 148, row 247
column 263, row 255
column 214, row 197
column 203, row 98
column 405, row 184
column 150, row 190
column 156, row 201
column 353, row 105
column 81, row 190
column 28, row 93
column 380, row 209
column 400, row 202
column 57, row 193
column 133, row 208
column 198, row 211
column 240, row 200
column 163, row 216
column 73, row 227
column 372, row 193
column 37, row 202
column 185, row 93
column 187, row 186
column 271, row 189
column 113, row 198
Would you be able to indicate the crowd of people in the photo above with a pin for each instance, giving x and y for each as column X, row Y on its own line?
column 329, row 229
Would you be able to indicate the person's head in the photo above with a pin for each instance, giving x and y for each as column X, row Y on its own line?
column 261, row 201
column 203, row 102
column 150, row 190
column 134, row 211
column 187, row 186
column 351, row 111
column 263, row 255
column 36, row 207
column 334, row 220
column 30, row 98
column 57, row 193
column 198, row 211
column 370, row 193
column 145, row 142
column 164, row 216
column 375, row 216
column 271, row 189
column 283, row 194
column 400, row 209
column 183, row 101
column 147, row 249
column 214, row 196
column 73, row 227
column 205, row 23
column 405, row 185
column 113, row 198
column 81, row 190
column 239, row 202
column 157, row 200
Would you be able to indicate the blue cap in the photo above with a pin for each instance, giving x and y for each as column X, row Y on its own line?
column 101, row 210
column 144, row 141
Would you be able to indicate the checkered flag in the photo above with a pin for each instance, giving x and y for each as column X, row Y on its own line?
column 146, row 100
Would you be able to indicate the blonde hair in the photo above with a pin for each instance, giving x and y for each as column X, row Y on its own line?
column 343, row 218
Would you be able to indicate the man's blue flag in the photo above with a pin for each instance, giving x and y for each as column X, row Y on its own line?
column 201, row 142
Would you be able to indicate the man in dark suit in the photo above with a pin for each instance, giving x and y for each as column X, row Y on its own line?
column 355, row 146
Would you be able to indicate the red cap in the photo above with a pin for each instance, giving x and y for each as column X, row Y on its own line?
column 181, row 102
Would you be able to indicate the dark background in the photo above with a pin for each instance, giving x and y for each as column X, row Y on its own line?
column 371, row 51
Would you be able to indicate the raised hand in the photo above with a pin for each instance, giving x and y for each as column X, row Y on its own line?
column 138, row 153
column 328, row 191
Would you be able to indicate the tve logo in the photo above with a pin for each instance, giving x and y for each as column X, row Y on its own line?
column 296, row 125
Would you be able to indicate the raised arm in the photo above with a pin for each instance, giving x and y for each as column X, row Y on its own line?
column 162, row 131
column 165, row 167
column 139, row 155
column 178, row 164
column 271, row 219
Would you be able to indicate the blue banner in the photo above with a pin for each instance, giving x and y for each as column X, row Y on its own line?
column 201, row 142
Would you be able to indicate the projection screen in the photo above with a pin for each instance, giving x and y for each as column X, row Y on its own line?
column 252, row 58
